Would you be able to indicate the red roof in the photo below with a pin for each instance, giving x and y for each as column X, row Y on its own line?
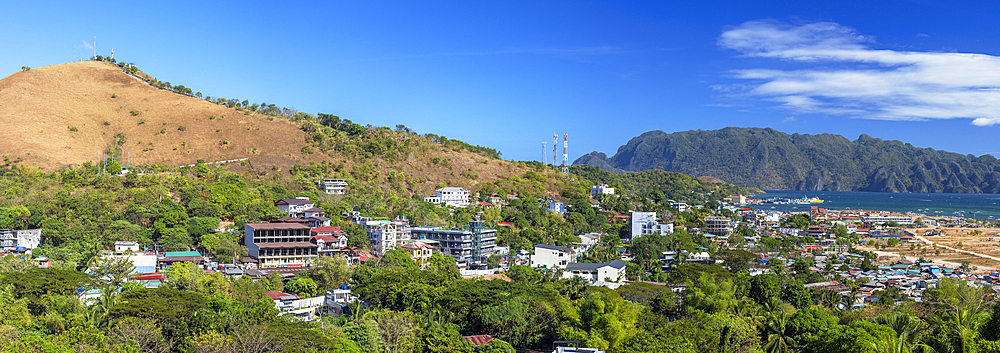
column 276, row 295
column 324, row 229
column 154, row 275
column 479, row 340
column 417, row 245
column 329, row 238
column 484, row 204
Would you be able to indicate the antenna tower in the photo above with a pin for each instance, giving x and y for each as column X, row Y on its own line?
column 555, row 144
column 565, row 164
column 95, row 47
column 544, row 157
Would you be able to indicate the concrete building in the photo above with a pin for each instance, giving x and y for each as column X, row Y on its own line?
column 601, row 190
column 556, row 206
column 551, row 256
column 419, row 251
column 333, row 186
column 295, row 207
column 721, row 226
column 386, row 235
column 330, row 241
column 20, row 239
column 647, row 223
column 451, row 196
column 471, row 246
column 879, row 219
column 613, row 270
column 123, row 246
column 279, row 244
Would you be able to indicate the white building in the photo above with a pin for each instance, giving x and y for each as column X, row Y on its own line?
column 451, row 196
column 387, row 235
column 646, row 223
column 679, row 206
column 22, row 239
column 609, row 271
column 333, row 186
column 551, row 256
column 557, row 207
column 883, row 219
column 295, row 207
column 601, row 190
column 123, row 246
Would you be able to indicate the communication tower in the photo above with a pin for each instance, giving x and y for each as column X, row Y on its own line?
column 565, row 164
column 544, row 157
column 555, row 144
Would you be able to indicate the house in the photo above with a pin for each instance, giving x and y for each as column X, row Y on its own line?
column 123, row 246
column 556, row 206
column 330, row 241
column 612, row 270
column 601, row 190
column 419, row 251
column 20, row 239
column 451, row 196
column 300, row 308
column 386, row 235
column 590, row 239
column 646, row 223
column 172, row 257
column 333, row 186
column 551, row 256
column 279, row 244
column 679, row 206
column 295, row 207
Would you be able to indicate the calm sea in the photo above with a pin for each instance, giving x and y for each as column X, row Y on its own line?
column 978, row 206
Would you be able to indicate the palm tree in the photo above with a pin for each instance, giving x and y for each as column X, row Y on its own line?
column 906, row 328
column 778, row 338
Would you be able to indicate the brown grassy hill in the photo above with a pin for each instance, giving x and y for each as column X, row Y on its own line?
column 62, row 115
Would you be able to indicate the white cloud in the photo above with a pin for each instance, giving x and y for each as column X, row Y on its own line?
column 788, row 119
column 838, row 73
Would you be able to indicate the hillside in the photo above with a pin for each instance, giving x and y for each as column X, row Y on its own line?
column 769, row 159
column 64, row 115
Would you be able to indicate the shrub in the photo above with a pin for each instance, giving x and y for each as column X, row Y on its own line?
column 114, row 95
column 182, row 128
column 107, row 123
column 135, row 112
column 72, row 128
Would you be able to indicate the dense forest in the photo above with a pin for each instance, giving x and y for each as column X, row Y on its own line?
column 769, row 159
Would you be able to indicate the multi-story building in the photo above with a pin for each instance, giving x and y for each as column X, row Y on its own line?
column 601, row 190
column 20, row 239
column 279, row 244
column 471, row 246
column 333, row 186
column 720, row 226
column 646, row 223
column 551, row 256
column 556, row 206
column 387, row 235
column 879, row 219
column 451, row 196
column 330, row 241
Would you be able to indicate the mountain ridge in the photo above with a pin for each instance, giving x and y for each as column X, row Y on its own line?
column 769, row 159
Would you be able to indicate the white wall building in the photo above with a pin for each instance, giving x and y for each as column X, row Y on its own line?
column 646, row 223
column 557, row 207
column 551, row 256
column 451, row 196
column 613, row 270
column 123, row 246
column 601, row 190
column 296, row 206
column 387, row 235
column 25, row 239
column 884, row 219
column 333, row 186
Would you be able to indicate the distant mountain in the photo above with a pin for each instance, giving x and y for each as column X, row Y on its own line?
column 770, row 159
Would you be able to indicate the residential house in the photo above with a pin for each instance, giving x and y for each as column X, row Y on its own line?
column 613, row 270
column 386, row 235
column 601, row 190
column 556, row 206
column 330, row 241
column 551, row 256
column 280, row 244
column 451, row 196
column 123, row 246
column 295, row 207
column 333, row 186
column 419, row 251
column 647, row 223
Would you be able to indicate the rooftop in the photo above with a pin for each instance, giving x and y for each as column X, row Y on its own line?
column 264, row 226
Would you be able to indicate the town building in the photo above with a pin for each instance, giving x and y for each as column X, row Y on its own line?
column 20, row 239
column 419, row 251
column 647, row 223
column 679, row 206
column 295, row 207
column 123, row 246
column 386, row 235
column 551, row 256
column 330, row 241
column 601, row 190
column 333, row 186
column 556, row 206
column 879, row 219
column 280, row 244
column 451, row 196
column 469, row 247
column 721, row 226
column 609, row 271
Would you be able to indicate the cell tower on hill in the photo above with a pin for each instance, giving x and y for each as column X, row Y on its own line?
column 544, row 157
column 565, row 164
column 555, row 144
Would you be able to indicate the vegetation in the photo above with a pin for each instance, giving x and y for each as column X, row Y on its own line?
column 768, row 159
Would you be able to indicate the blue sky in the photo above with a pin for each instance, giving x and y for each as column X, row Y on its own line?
column 510, row 74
